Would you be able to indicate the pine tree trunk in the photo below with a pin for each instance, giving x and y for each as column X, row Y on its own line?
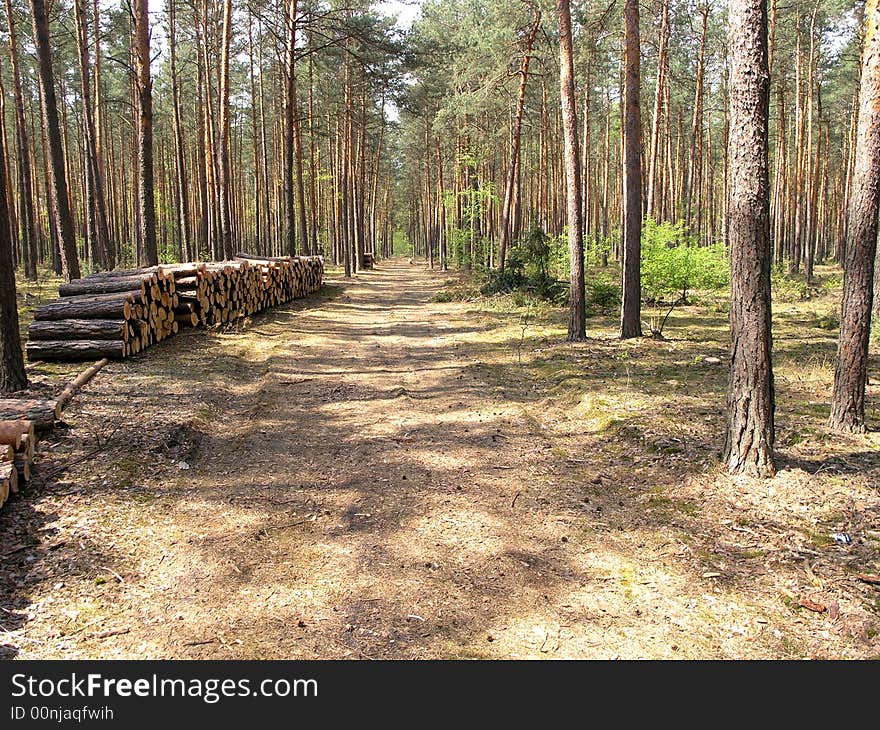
column 850, row 375
column 750, row 397
column 12, row 373
column 631, row 308
column 147, row 199
column 57, row 171
column 179, row 151
column 290, row 133
column 515, row 142
column 224, row 178
column 97, row 201
column 577, row 327
column 662, row 68
column 27, row 215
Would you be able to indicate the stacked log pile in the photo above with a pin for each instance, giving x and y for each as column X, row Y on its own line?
column 17, row 443
column 115, row 314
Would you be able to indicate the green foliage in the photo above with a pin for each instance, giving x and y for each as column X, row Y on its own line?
column 526, row 269
column 673, row 265
column 788, row 287
column 829, row 322
column 603, row 293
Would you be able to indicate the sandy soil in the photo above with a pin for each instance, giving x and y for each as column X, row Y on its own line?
column 372, row 474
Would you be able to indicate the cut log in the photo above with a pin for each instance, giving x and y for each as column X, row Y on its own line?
column 8, row 478
column 13, row 432
column 79, row 329
column 74, row 349
column 23, row 467
column 103, row 306
column 81, row 287
column 28, row 446
column 43, row 413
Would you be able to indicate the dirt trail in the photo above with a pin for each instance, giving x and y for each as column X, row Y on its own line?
column 343, row 478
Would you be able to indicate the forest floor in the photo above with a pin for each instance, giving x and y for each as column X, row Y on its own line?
column 372, row 473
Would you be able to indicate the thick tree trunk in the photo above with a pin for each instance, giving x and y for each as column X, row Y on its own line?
column 12, row 373
column 147, row 199
column 850, row 375
column 631, row 308
column 52, row 127
column 750, row 396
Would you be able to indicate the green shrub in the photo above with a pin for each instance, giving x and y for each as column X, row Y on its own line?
column 673, row 266
column 527, row 269
column 829, row 322
column 603, row 293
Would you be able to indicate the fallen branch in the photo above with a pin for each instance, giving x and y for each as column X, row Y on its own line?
column 79, row 381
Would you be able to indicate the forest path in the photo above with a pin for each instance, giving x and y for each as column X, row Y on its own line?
column 371, row 473
column 334, row 480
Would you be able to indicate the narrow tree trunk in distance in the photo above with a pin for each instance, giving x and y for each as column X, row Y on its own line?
column 289, row 121
column 97, row 203
column 52, row 127
column 147, row 199
column 850, row 375
column 515, row 142
column 28, row 220
column 180, row 160
column 662, row 65
column 577, row 325
column 224, row 178
column 750, row 397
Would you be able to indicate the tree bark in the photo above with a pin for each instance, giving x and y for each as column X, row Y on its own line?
column 27, row 215
column 662, row 69
column 224, row 181
column 515, row 141
column 12, row 373
column 577, row 317
column 97, row 202
column 850, row 375
column 147, row 199
column 52, row 127
column 631, row 308
column 183, row 223
column 750, row 396
column 289, row 143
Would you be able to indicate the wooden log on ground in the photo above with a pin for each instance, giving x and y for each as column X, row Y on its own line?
column 102, row 306
column 74, row 349
column 13, row 432
column 79, row 329
column 79, row 381
column 80, row 287
column 43, row 413
column 27, row 446
column 8, row 478
column 23, row 467
column 117, row 273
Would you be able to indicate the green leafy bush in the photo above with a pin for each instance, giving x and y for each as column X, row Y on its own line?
column 603, row 293
column 673, row 266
